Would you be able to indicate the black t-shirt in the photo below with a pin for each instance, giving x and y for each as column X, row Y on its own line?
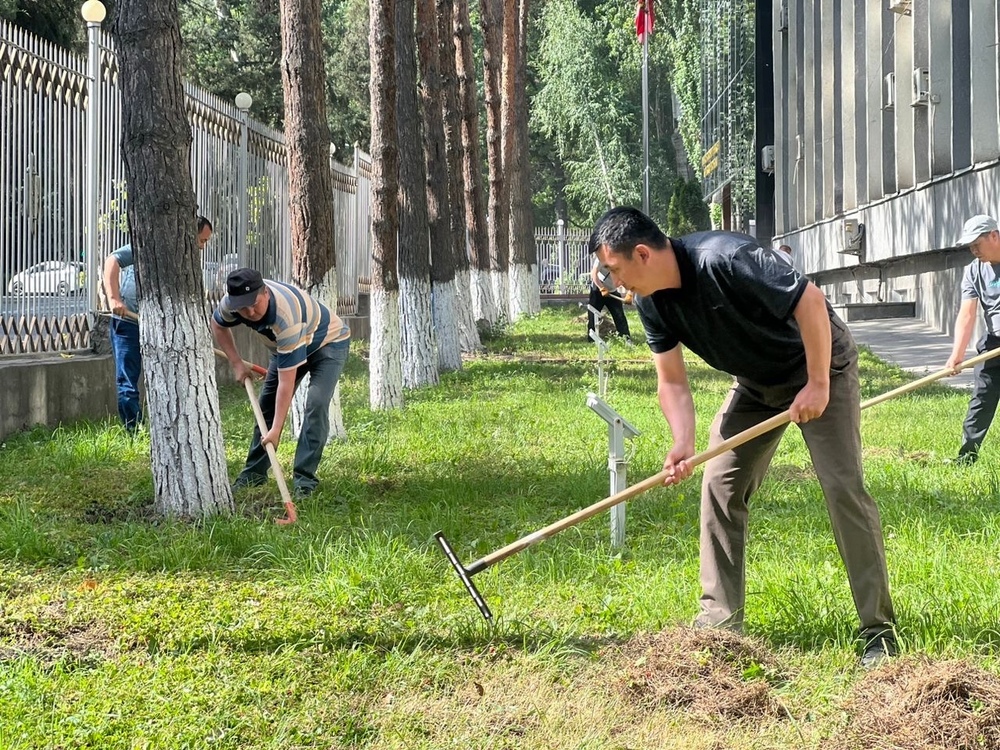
column 734, row 309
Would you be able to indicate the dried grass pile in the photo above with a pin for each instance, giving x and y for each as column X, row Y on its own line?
column 708, row 672
column 917, row 704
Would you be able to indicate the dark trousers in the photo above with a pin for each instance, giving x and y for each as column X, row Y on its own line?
column 128, row 370
column 834, row 442
column 598, row 301
column 324, row 367
column 983, row 404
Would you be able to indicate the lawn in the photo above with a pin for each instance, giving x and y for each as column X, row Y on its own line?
column 350, row 630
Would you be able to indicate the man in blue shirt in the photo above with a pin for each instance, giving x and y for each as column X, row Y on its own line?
column 980, row 290
column 745, row 312
column 304, row 336
column 122, row 293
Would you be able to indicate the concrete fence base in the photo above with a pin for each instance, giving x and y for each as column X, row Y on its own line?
column 55, row 389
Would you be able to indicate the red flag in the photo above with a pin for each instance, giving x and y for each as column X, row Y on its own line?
column 643, row 19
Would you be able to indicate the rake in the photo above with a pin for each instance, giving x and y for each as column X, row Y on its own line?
column 466, row 572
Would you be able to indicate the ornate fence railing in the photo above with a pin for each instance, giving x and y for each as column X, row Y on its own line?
column 236, row 162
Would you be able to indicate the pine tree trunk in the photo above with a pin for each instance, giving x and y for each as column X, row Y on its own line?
column 445, row 314
column 419, row 349
column 307, row 135
column 484, row 306
column 498, row 211
column 310, row 181
column 385, row 366
column 524, row 292
column 188, row 458
column 449, row 49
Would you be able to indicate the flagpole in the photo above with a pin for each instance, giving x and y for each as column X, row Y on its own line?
column 645, row 112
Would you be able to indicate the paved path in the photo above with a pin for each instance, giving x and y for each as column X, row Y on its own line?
column 911, row 344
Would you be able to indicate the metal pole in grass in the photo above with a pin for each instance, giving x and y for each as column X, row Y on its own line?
column 465, row 572
column 93, row 13
column 618, row 431
column 602, row 350
column 243, row 103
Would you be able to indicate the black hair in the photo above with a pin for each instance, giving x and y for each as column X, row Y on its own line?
column 624, row 227
column 203, row 222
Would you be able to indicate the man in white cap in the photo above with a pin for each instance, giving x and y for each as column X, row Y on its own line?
column 980, row 288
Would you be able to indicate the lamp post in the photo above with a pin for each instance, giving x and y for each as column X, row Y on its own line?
column 93, row 13
column 243, row 103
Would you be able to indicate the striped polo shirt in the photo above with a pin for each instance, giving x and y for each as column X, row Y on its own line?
column 294, row 326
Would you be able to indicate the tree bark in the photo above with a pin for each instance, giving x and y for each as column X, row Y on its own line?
column 524, row 293
column 448, row 50
column 418, row 343
column 484, row 304
column 310, row 182
column 307, row 138
column 445, row 313
column 385, row 379
column 188, row 459
column 491, row 13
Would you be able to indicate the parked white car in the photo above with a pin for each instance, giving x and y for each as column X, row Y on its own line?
column 51, row 277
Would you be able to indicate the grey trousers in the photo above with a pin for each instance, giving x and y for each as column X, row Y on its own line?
column 983, row 404
column 324, row 367
column 834, row 442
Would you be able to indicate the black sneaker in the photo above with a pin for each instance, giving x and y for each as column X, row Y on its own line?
column 248, row 480
column 880, row 648
column 963, row 459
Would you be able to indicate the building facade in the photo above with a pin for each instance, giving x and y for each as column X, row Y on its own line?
column 886, row 137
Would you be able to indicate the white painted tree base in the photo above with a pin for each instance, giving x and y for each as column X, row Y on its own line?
column 446, row 326
column 385, row 367
column 419, row 348
column 188, row 456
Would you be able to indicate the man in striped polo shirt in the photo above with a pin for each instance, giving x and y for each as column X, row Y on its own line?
column 305, row 336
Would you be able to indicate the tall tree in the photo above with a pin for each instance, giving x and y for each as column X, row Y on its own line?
column 310, row 182
column 444, row 297
column 491, row 17
column 188, row 459
column 385, row 380
column 452, row 114
column 524, row 293
column 484, row 303
column 419, row 354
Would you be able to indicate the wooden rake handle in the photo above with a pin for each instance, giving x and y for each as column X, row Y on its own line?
column 279, row 475
column 657, row 479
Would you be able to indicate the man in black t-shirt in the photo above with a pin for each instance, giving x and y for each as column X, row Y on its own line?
column 747, row 313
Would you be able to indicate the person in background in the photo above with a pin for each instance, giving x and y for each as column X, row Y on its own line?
column 601, row 290
column 980, row 289
column 734, row 304
column 120, row 288
column 785, row 253
column 305, row 336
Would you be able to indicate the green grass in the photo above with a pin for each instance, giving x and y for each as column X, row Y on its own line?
column 122, row 630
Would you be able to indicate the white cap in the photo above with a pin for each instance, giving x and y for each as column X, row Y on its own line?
column 975, row 228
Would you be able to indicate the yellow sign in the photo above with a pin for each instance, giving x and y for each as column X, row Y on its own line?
column 710, row 161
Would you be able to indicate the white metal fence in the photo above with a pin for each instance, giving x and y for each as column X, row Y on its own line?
column 563, row 260
column 237, row 165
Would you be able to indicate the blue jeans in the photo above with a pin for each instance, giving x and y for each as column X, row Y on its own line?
column 324, row 367
column 128, row 370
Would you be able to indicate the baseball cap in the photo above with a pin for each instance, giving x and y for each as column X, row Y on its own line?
column 975, row 228
column 242, row 286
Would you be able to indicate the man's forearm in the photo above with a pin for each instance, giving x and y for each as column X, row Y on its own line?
column 283, row 398
column 817, row 339
column 678, row 409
